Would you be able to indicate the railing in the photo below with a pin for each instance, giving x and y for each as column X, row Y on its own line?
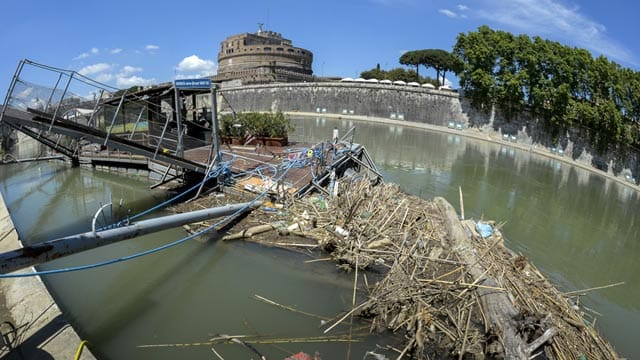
column 58, row 93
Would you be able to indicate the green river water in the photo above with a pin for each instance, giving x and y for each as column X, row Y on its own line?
column 579, row 228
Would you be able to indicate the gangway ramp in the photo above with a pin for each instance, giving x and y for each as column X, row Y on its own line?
column 34, row 119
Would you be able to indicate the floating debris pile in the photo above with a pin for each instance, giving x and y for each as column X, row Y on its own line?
column 450, row 287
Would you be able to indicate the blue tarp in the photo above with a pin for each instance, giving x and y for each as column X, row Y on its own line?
column 485, row 230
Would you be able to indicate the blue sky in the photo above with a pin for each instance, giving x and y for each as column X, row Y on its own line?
column 125, row 43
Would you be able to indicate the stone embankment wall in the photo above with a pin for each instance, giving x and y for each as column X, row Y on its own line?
column 422, row 105
column 42, row 331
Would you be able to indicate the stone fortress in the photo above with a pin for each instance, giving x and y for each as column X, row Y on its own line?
column 265, row 72
column 262, row 57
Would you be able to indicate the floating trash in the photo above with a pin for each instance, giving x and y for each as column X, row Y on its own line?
column 485, row 230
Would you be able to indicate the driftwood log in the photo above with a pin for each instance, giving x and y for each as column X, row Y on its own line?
column 498, row 309
column 448, row 290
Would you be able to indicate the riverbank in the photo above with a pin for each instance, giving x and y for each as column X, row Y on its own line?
column 477, row 134
column 41, row 330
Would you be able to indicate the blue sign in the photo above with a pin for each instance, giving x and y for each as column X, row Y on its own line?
column 193, row 83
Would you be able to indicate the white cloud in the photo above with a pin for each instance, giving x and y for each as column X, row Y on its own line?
column 84, row 55
column 104, row 77
column 448, row 13
column 94, row 69
column 193, row 65
column 115, row 51
column 126, row 78
column 129, row 81
column 128, row 70
column 152, row 47
column 462, row 7
column 549, row 18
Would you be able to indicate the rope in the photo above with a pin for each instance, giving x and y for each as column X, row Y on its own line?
column 143, row 253
column 81, row 346
column 300, row 161
column 222, row 168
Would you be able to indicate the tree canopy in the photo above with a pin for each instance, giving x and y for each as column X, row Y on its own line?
column 411, row 58
column 438, row 59
column 565, row 86
column 395, row 74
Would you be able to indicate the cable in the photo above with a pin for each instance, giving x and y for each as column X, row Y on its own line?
column 221, row 169
column 147, row 252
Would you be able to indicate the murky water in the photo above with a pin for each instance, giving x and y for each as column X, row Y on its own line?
column 186, row 294
column 580, row 229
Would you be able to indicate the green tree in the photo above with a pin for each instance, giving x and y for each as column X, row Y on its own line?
column 395, row 74
column 374, row 73
column 440, row 60
column 411, row 58
column 476, row 51
column 562, row 85
column 435, row 58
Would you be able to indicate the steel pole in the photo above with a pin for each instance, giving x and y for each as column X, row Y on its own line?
column 54, row 249
column 214, row 123
column 178, row 108
column 113, row 121
column 14, row 80
column 64, row 93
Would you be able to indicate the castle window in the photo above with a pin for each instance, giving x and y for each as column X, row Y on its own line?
column 280, row 49
column 267, row 49
column 290, row 50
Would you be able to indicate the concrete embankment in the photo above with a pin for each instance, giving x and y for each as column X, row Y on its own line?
column 41, row 330
column 430, row 107
column 477, row 134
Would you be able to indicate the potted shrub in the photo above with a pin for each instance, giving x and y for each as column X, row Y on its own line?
column 265, row 128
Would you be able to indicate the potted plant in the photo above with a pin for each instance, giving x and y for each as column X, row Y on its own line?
column 266, row 128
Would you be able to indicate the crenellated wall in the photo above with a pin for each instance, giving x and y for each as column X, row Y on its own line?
column 422, row 105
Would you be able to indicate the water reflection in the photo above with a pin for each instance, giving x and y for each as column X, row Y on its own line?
column 182, row 295
column 579, row 227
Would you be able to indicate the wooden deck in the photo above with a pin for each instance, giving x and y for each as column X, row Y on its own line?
column 294, row 167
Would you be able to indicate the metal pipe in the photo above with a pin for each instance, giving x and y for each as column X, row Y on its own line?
column 54, row 249
column 179, row 150
column 113, row 121
column 215, row 126
column 16, row 75
column 360, row 162
column 135, row 126
column 95, row 108
column 205, row 177
column 64, row 93
column 164, row 129
column 53, row 92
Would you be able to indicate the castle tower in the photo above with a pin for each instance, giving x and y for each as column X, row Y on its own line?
column 262, row 57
